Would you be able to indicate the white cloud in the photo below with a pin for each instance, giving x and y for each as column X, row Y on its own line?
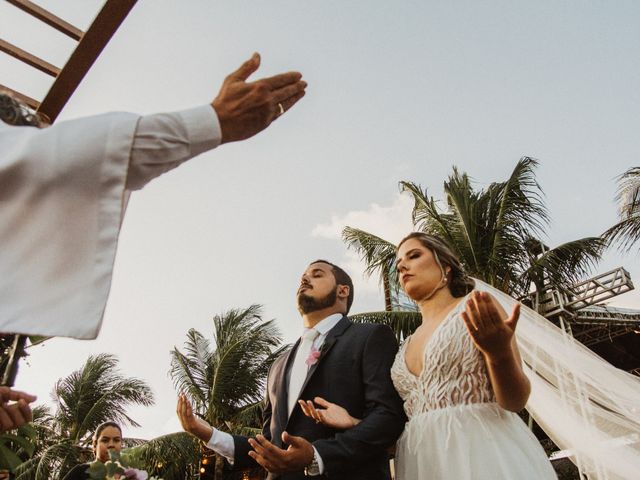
column 391, row 223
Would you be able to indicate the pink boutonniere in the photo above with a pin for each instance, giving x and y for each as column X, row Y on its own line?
column 314, row 356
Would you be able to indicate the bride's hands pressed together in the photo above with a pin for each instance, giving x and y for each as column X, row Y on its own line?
column 330, row 414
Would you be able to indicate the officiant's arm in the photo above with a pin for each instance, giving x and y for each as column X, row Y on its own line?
column 384, row 416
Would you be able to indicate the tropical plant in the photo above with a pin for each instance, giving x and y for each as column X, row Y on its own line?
column 225, row 380
column 17, row 447
column 172, row 457
column 493, row 231
column 95, row 393
column 627, row 231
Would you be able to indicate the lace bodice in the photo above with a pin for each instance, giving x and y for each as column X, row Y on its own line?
column 454, row 371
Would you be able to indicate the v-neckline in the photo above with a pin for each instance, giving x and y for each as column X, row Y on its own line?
column 426, row 344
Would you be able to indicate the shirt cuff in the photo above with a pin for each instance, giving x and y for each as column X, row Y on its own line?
column 203, row 128
column 312, row 472
column 222, row 444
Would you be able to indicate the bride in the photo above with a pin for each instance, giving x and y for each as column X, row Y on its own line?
column 460, row 376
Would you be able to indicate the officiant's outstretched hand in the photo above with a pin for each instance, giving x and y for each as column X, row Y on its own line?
column 245, row 108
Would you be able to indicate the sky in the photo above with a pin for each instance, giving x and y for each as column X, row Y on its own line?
column 397, row 91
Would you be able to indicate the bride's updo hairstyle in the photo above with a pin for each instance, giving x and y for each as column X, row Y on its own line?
column 459, row 282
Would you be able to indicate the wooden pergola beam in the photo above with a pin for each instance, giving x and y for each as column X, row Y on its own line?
column 30, row 102
column 29, row 59
column 47, row 17
column 93, row 42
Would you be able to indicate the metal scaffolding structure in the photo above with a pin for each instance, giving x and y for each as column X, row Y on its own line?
column 580, row 307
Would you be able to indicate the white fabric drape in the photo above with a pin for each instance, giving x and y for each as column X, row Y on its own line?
column 61, row 205
column 589, row 408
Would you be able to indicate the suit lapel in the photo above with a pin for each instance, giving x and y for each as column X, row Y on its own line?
column 329, row 342
column 282, row 385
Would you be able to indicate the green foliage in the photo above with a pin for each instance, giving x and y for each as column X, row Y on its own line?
column 16, row 447
column 492, row 231
column 95, row 393
column 225, row 378
column 401, row 322
column 168, row 456
column 486, row 228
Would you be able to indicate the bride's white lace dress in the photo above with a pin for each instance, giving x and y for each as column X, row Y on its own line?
column 456, row 430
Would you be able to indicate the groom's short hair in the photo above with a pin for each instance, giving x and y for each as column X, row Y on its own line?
column 342, row 278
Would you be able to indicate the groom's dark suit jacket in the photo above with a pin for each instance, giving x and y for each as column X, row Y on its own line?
column 353, row 371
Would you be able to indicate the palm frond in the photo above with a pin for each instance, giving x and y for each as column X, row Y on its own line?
column 168, row 456
column 403, row 324
column 240, row 359
column 567, row 263
column 377, row 253
column 464, row 234
column 95, row 393
column 626, row 232
column 427, row 217
column 227, row 375
column 191, row 372
column 247, row 420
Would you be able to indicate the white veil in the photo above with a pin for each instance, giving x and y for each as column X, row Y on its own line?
column 589, row 408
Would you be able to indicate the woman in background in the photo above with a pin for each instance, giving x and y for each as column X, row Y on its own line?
column 106, row 439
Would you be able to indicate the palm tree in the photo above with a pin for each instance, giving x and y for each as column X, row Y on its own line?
column 170, row 457
column 491, row 230
column 95, row 393
column 225, row 381
column 627, row 231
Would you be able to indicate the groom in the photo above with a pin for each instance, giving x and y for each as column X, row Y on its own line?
column 343, row 362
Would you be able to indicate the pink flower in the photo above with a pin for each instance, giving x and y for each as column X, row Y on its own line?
column 313, row 357
column 135, row 474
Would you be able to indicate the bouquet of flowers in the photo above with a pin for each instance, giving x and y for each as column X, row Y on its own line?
column 117, row 467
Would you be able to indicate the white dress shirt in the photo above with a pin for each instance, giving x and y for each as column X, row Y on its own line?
column 222, row 442
column 63, row 192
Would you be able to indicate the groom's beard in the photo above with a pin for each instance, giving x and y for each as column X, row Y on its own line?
column 308, row 304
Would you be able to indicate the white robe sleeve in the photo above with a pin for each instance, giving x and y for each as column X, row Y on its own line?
column 62, row 192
